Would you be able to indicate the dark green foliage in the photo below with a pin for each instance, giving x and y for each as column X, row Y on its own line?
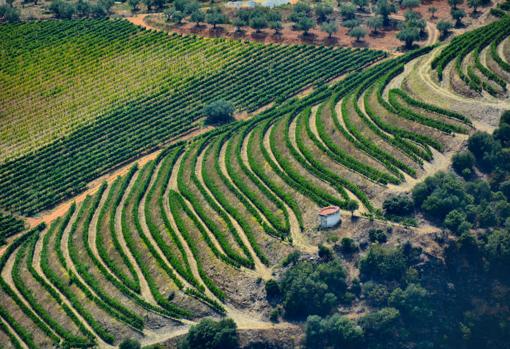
column 219, row 112
column 376, row 294
column 379, row 326
column 305, row 24
column 456, row 221
column 348, row 245
column 398, row 205
column 348, row 10
column 440, row 194
column 272, row 289
column 383, row 263
column 62, row 9
column 291, row 259
column 498, row 248
column 384, row 8
column 409, row 35
column 377, row 235
column 323, row 12
column 210, row 334
column 412, row 302
column 444, row 27
column 458, row 15
column 9, row 225
column 9, row 14
column 483, row 147
column 463, row 163
column 258, row 23
column 274, row 315
column 130, row 344
column 312, row 288
column 358, row 32
column 325, row 253
column 336, row 332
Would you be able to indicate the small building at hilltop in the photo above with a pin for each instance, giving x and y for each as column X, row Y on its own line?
column 329, row 217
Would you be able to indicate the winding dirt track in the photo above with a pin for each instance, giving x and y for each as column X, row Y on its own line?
column 424, row 70
column 146, row 231
column 298, row 239
column 260, row 269
column 144, row 285
column 60, row 210
column 7, row 277
column 93, row 233
column 313, row 127
column 224, row 171
column 37, row 266
column 14, row 333
column 172, row 185
column 70, row 264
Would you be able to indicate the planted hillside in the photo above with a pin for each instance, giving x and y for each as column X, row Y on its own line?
column 476, row 60
column 80, row 97
column 9, row 225
column 177, row 238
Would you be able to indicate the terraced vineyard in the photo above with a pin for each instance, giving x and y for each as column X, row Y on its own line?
column 177, row 238
column 62, row 83
column 477, row 62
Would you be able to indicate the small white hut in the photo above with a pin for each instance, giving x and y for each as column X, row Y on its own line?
column 329, row 216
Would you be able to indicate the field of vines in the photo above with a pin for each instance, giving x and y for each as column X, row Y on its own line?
column 80, row 97
column 176, row 239
column 479, row 60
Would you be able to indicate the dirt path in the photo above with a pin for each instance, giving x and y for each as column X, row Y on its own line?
column 7, row 277
column 440, row 162
column 172, row 185
column 298, row 239
column 432, row 32
column 146, row 231
column 267, row 145
column 223, row 168
column 93, row 233
column 501, row 49
column 424, row 71
column 37, row 266
column 144, row 285
column 212, row 237
column 244, row 322
column 313, row 127
column 14, row 333
column 72, row 267
column 260, row 269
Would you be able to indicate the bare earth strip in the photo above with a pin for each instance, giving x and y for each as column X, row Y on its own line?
column 260, row 268
column 224, row 171
column 38, row 269
column 172, row 185
column 144, row 285
column 7, row 277
column 11, row 330
column 143, row 223
column 298, row 239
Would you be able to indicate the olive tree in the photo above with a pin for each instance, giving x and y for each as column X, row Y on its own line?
column 409, row 35
column 330, row 28
column 219, row 112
